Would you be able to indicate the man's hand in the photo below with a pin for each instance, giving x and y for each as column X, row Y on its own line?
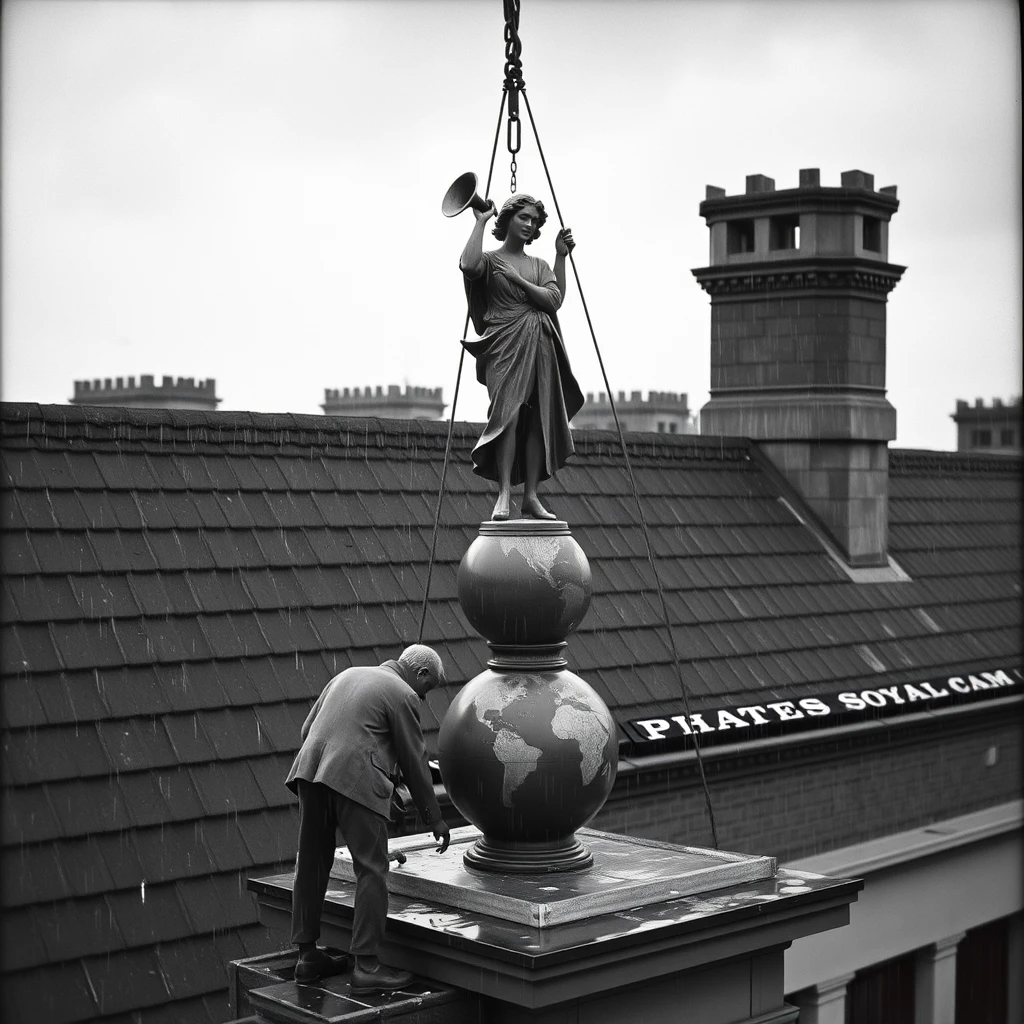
column 443, row 835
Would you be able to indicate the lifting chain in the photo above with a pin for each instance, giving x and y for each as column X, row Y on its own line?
column 514, row 83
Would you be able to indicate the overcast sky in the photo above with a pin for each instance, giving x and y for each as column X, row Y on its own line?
column 250, row 189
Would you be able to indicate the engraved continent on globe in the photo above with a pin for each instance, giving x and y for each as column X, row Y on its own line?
column 523, row 754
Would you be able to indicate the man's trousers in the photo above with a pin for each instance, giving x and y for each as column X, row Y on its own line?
column 323, row 811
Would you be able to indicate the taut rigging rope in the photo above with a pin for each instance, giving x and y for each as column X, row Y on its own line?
column 513, row 85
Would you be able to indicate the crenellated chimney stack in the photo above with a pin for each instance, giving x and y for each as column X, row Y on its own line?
column 798, row 280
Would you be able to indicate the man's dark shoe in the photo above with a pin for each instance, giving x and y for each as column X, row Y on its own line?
column 320, row 963
column 379, row 979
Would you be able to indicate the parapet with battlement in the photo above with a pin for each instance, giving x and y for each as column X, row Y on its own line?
column 994, row 428
column 414, row 403
column 145, row 393
column 662, row 412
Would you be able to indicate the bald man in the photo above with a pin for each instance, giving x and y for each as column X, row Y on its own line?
column 363, row 729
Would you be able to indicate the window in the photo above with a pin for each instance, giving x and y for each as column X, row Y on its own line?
column 1006, row 438
column 739, row 236
column 872, row 239
column 981, row 438
column 784, row 232
column 672, row 428
column 661, row 426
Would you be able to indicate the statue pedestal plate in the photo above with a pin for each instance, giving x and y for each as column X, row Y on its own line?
column 530, row 916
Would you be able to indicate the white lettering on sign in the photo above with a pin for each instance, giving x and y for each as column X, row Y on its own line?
column 756, row 713
column 727, row 720
column 813, row 706
column 654, row 727
column 782, row 712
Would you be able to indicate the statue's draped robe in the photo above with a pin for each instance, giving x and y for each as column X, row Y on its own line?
column 521, row 360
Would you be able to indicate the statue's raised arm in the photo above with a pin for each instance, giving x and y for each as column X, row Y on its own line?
column 513, row 301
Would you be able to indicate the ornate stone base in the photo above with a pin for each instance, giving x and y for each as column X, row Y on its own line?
column 626, row 872
column 714, row 957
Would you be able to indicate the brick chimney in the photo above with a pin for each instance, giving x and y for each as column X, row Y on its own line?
column 798, row 280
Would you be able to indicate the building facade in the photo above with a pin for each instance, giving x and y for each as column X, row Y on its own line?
column 177, row 591
column 414, row 403
column 170, row 393
column 988, row 428
column 662, row 412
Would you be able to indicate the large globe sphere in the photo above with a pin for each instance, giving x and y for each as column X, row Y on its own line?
column 530, row 756
column 524, row 582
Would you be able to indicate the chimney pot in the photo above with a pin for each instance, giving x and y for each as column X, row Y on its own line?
column 759, row 183
column 858, row 179
column 713, row 192
column 810, row 177
column 889, row 190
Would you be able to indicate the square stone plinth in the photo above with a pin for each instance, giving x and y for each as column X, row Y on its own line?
column 627, row 872
column 719, row 953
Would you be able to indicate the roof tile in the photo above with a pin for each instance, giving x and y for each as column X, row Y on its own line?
column 77, row 928
column 135, row 744
column 64, row 552
column 125, row 471
column 270, row 835
column 150, row 916
column 95, row 597
column 270, row 773
column 65, row 751
column 227, row 787
column 21, row 941
column 187, row 737
column 225, row 842
column 279, row 724
column 68, row 510
column 191, row 967
column 219, row 591
column 58, row 994
column 234, row 732
column 176, row 550
column 120, row 859
column 89, row 644
column 16, row 554
column 27, row 817
column 37, row 510
column 126, row 980
column 87, row 806
column 21, row 704
column 174, row 850
column 31, row 874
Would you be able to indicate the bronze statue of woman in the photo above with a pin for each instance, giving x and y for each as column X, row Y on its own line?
column 513, row 301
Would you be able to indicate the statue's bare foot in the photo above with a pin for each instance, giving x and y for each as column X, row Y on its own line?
column 533, row 508
column 500, row 513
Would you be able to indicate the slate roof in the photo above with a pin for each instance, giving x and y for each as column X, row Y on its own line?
column 179, row 586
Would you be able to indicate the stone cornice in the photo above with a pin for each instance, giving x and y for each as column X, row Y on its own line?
column 813, row 275
column 806, row 200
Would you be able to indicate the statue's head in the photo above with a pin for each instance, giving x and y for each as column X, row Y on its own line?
column 511, row 207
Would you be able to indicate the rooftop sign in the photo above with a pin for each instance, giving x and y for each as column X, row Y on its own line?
column 749, row 721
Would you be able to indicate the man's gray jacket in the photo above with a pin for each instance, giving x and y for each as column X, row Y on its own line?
column 363, row 728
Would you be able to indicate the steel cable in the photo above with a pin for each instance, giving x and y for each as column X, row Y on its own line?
column 632, row 483
column 455, row 400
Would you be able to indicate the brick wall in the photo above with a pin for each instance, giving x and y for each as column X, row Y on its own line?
column 793, row 804
column 798, row 341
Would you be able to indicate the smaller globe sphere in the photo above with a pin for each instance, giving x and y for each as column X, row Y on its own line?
column 524, row 582
column 528, row 756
